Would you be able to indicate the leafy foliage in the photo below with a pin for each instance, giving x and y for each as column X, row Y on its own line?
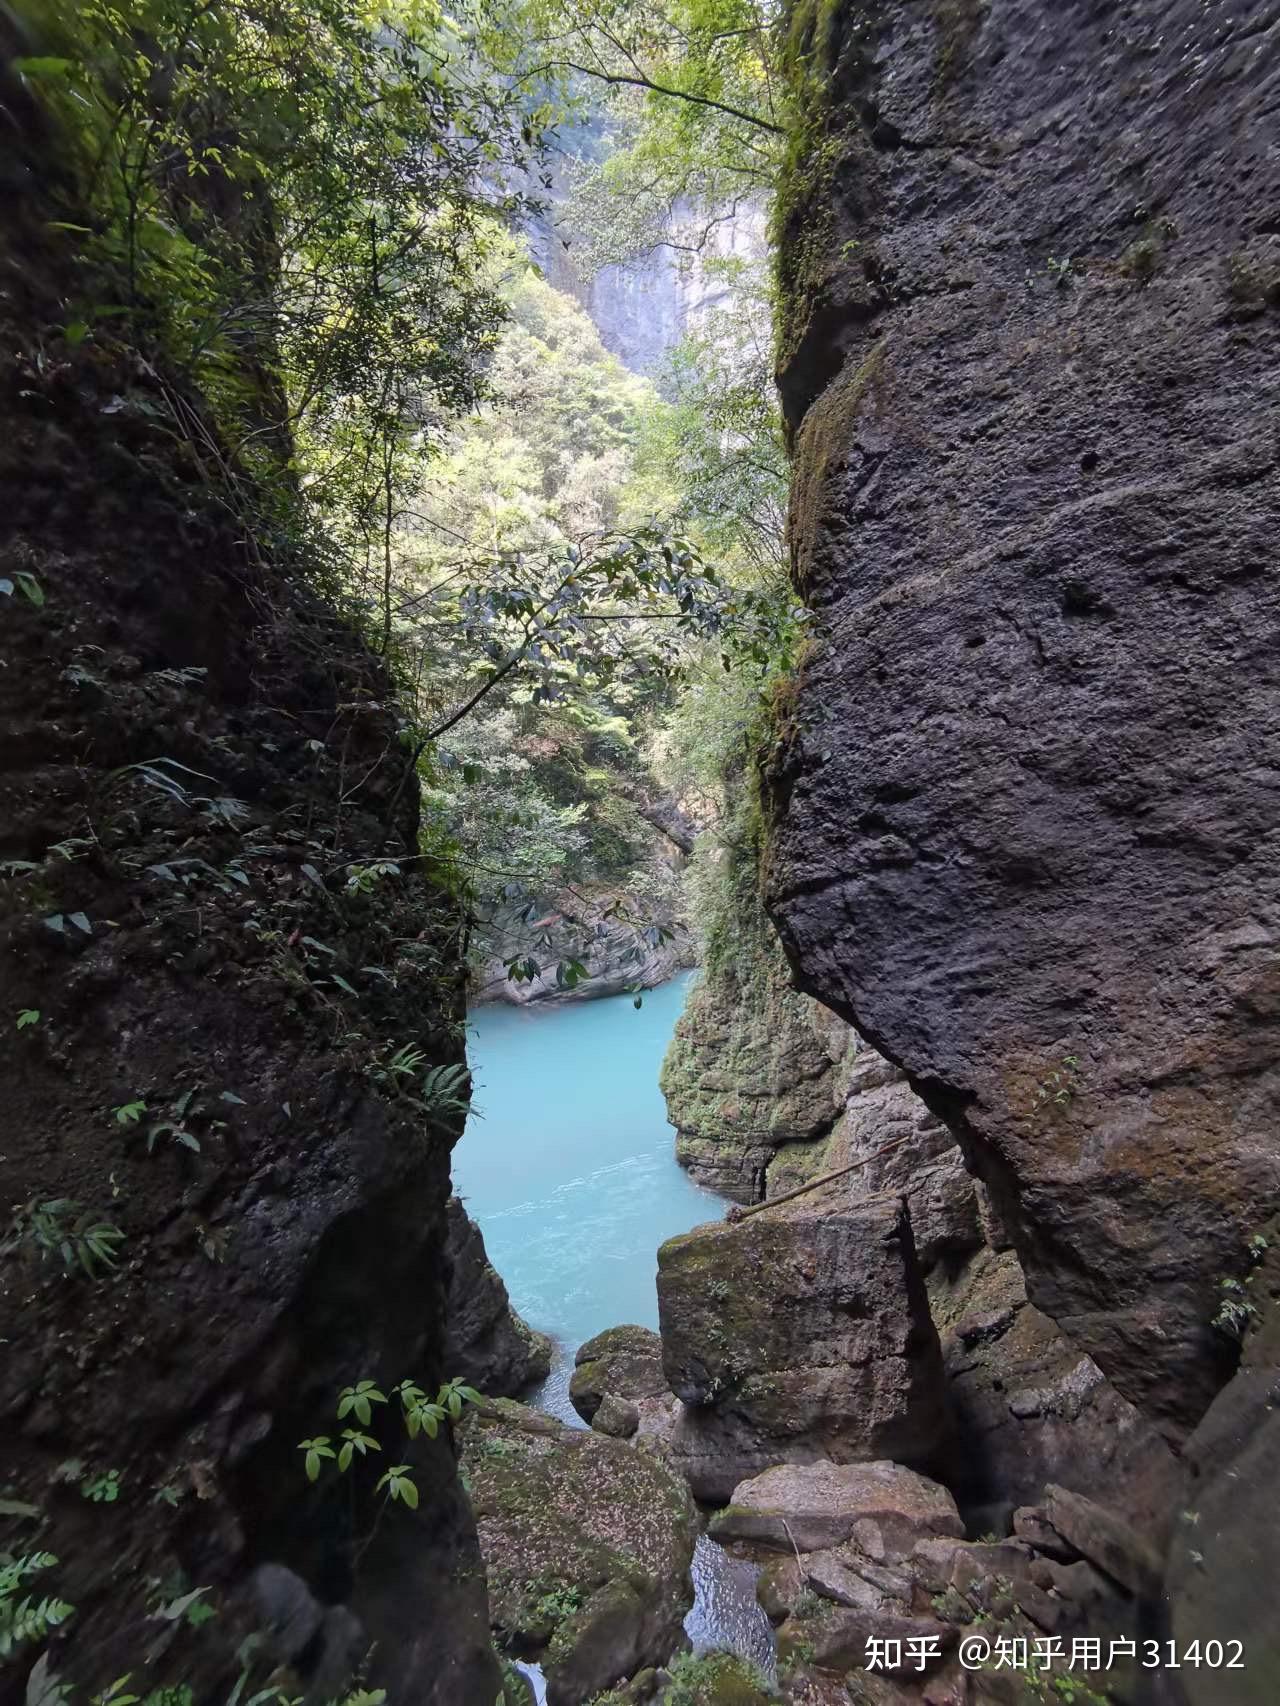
column 61, row 1227
column 27, row 1618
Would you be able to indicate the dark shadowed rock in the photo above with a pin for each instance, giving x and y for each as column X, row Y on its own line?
column 1024, row 831
column 486, row 1341
column 798, row 1335
column 1224, row 1560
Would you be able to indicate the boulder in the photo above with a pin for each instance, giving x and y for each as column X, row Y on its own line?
column 486, row 1342
column 882, row 1508
column 799, row 1335
column 625, row 1361
column 617, row 1417
column 587, row 1547
column 1021, row 831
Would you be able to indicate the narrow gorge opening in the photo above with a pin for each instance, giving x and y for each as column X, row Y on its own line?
column 638, row 659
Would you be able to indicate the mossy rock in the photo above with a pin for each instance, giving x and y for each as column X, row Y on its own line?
column 587, row 1546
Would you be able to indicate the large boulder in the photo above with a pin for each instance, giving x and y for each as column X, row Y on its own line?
column 882, row 1507
column 486, row 1342
column 796, row 1336
column 587, row 1546
column 622, row 1362
column 1023, row 827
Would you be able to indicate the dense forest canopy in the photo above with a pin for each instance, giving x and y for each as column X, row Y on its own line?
column 317, row 219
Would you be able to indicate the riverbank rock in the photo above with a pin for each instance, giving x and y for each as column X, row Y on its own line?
column 1021, row 836
column 587, row 1546
column 622, row 1362
column 797, row 1336
column 753, row 1065
column 883, row 1507
column 486, row 1342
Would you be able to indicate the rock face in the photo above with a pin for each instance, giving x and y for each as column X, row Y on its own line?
column 1023, row 838
column 753, row 1065
column 486, row 1342
column 798, row 1335
column 1225, row 1554
column 178, row 717
column 587, row 1544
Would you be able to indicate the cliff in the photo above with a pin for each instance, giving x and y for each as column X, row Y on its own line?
column 223, row 1210
column 1023, row 826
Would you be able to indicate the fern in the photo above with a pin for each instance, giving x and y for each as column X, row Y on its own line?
column 26, row 1619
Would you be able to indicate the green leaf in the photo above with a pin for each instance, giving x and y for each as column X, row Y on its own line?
column 28, row 1016
column 81, row 922
column 129, row 1113
column 45, row 65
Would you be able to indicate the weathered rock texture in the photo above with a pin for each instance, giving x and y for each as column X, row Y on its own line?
column 752, row 1066
column 486, row 1342
column 1023, row 814
column 297, row 1241
column 587, row 1543
column 1225, row 1554
column 798, row 1336
column 623, row 1363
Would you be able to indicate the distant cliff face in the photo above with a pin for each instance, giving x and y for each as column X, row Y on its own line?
column 644, row 308
column 1025, row 800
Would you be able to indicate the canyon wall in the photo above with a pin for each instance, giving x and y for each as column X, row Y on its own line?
column 222, row 1210
column 1024, row 813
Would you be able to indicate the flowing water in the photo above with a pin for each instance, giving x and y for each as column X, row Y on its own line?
column 567, row 1165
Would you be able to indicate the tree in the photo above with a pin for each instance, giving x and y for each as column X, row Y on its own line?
column 692, row 93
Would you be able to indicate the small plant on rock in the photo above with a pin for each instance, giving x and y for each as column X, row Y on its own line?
column 26, row 1618
column 60, row 1227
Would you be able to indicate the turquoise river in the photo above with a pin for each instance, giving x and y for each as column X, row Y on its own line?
column 567, row 1164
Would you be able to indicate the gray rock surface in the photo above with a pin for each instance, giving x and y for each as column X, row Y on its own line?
column 1030, row 354
column 882, row 1507
column 797, row 1335
column 486, row 1342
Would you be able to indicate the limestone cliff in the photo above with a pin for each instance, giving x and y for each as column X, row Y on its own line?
column 1024, row 829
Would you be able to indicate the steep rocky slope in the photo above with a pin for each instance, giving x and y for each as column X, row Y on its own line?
column 1025, row 831
column 193, row 748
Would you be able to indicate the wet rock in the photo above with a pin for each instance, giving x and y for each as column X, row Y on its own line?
column 881, row 1507
column 487, row 1343
column 1020, row 834
column 794, row 1336
column 625, row 1361
column 587, row 1545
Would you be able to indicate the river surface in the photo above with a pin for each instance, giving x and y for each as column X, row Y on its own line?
column 567, row 1164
